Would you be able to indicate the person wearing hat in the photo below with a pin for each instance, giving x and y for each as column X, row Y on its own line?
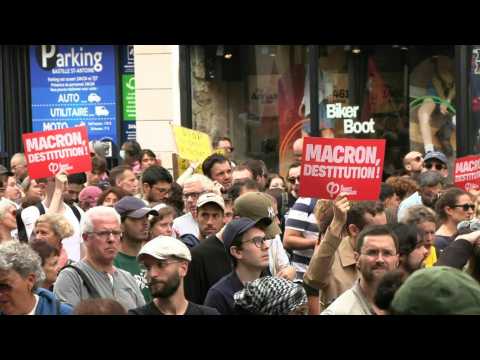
column 135, row 232
column 209, row 217
column 257, row 205
column 247, row 245
column 166, row 261
column 88, row 197
column 95, row 276
column 439, row 290
column 436, row 161
column 271, row 295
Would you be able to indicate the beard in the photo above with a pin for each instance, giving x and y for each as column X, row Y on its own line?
column 429, row 202
column 169, row 287
column 369, row 275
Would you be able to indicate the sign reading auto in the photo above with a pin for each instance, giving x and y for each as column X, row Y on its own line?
column 467, row 173
column 332, row 166
column 348, row 113
column 49, row 152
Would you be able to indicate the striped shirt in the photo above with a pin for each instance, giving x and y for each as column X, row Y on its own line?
column 302, row 218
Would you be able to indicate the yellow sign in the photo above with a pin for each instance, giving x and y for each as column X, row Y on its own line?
column 191, row 144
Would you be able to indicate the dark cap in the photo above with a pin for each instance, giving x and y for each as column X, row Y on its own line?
column 238, row 227
column 132, row 207
column 257, row 205
column 436, row 155
column 5, row 171
column 440, row 290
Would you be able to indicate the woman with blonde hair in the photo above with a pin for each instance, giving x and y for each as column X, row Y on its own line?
column 53, row 228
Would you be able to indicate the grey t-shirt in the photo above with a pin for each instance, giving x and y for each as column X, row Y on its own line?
column 69, row 287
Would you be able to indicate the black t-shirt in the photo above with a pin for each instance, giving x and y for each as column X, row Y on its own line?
column 209, row 264
column 192, row 309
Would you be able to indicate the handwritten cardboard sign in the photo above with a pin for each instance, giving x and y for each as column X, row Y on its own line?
column 191, row 144
column 48, row 152
column 332, row 166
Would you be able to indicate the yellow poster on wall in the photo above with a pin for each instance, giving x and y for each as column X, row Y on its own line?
column 191, row 144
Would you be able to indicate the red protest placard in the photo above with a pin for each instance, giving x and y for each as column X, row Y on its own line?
column 467, row 172
column 332, row 166
column 48, row 152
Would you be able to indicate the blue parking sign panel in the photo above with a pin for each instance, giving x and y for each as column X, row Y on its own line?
column 74, row 85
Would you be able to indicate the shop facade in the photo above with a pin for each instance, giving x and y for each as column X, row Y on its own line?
column 416, row 97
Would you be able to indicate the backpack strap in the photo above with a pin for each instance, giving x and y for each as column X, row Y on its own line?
column 76, row 212
column 86, row 281
column 22, row 231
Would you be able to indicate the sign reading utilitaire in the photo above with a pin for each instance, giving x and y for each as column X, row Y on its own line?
column 49, row 152
column 191, row 144
column 332, row 166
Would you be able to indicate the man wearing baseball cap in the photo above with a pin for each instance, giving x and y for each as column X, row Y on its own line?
column 209, row 216
column 246, row 244
column 436, row 161
column 166, row 261
column 135, row 232
column 256, row 205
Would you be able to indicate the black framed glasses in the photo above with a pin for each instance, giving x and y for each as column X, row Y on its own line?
column 465, row 207
column 293, row 179
column 437, row 166
column 258, row 241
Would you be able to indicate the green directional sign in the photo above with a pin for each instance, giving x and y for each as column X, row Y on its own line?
column 128, row 93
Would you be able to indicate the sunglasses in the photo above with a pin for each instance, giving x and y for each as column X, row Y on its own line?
column 465, row 207
column 293, row 179
column 437, row 166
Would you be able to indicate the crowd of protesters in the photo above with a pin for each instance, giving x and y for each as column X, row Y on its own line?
column 236, row 239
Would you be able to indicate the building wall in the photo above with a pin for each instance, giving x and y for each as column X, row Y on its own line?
column 157, row 94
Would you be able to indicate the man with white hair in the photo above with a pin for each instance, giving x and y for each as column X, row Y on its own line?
column 193, row 187
column 18, row 165
column 95, row 276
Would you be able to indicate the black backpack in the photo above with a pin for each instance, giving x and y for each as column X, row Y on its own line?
column 22, row 232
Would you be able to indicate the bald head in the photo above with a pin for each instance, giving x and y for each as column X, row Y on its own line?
column 18, row 165
column 297, row 149
column 413, row 162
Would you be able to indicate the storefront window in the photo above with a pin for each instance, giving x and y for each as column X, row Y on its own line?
column 251, row 94
column 260, row 97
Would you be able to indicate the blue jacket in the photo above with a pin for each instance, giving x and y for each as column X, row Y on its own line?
column 48, row 304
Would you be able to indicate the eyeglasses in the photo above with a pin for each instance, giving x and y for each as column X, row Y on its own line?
column 105, row 234
column 373, row 253
column 293, row 179
column 438, row 167
column 258, row 241
column 465, row 207
column 192, row 195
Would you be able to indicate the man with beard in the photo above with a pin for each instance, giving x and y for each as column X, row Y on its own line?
column 135, row 232
column 431, row 183
column 412, row 250
column 156, row 184
column 166, row 261
column 376, row 253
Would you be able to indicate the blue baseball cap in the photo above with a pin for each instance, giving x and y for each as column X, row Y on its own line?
column 436, row 155
column 240, row 226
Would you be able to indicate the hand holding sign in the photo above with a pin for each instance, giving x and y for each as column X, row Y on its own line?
column 340, row 209
column 61, row 181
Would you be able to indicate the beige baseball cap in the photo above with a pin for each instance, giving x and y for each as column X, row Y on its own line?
column 164, row 247
column 210, row 198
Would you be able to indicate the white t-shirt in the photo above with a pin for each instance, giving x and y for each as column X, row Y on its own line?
column 277, row 256
column 70, row 244
column 37, row 298
column 186, row 224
